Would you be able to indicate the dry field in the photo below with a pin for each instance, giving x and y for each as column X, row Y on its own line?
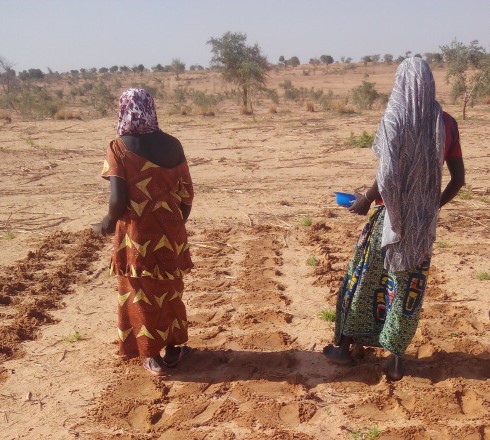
column 254, row 303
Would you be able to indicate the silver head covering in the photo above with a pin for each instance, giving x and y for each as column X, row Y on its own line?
column 410, row 147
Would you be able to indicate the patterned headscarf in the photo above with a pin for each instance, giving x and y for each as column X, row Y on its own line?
column 410, row 147
column 137, row 114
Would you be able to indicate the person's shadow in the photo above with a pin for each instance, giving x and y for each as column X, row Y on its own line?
column 311, row 368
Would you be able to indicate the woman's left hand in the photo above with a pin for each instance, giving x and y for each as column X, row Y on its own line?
column 361, row 205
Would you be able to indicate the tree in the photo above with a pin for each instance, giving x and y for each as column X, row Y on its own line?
column 388, row 58
column 240, row 64
column 433, row 58
column 326, row 59
column 103, row 70
column 375, row 58
column 282, row 60
column 366, row 59
column 177, row 67
column 8, row 82
column 293, row 61
column 315, row 62
column 114, row 69
column 468, row 67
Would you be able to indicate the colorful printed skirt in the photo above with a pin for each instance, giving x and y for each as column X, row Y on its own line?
column 377, row 307
column 151, row 315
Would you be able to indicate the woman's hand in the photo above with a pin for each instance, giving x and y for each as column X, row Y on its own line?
column 107, row 226
column 361, row 205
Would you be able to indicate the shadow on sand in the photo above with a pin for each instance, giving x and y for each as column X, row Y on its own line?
column 311, row 368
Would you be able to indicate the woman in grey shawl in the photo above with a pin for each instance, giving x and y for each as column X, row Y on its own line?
column 380, row 298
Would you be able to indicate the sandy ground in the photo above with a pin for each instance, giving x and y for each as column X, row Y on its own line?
column 253, row 301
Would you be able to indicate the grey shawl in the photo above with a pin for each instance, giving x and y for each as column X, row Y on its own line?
column 410, row 147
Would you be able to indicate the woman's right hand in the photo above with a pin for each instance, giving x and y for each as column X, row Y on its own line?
column 361, row 205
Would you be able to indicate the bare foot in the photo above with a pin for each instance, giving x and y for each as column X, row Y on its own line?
column 395, row 368
column 337, row 355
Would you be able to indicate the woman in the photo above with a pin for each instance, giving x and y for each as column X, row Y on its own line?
column 380, row 298
column 150, row 201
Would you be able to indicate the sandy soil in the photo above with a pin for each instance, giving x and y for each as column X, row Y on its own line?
column 253, row 301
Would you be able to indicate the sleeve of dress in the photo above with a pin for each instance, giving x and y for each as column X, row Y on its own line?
column 114, row 162
column 186, row 190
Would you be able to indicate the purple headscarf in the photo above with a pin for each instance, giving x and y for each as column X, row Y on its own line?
column 137, row 114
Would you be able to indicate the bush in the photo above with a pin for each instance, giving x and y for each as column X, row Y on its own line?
column 365, row 95
column 365, row 140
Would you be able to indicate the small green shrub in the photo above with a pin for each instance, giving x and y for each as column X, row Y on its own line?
column 327, row 315
column 483, row 276
column 8, row 235
column 364, row 96
column 365, row 140
column 74, row 337
column 307, row 221
column 312, row 261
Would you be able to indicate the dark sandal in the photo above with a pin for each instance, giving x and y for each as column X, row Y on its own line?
column 153, row 367
column 184, row 352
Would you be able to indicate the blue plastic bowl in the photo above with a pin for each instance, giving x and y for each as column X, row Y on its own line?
column 345, row 199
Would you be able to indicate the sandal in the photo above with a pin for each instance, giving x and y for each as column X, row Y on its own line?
column 153, row 367
column 184, row 352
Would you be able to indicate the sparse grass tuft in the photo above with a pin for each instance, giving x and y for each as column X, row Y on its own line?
column 371, row 434
column 312, row 261
column 272, row 109
column 327, row 315
column 483, row 276
column 8, row 235
column 307, row 221
column 365, row 140
column 74, row 337
column 465, row 193
column 310, row 106
column 442, row 244
column 65, row 115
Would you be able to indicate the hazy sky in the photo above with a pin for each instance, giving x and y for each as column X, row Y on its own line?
column 71, row 34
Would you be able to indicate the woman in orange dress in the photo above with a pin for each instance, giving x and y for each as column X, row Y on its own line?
column 150, row 201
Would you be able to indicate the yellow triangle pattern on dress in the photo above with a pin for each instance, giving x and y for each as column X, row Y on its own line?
column 140, row 296
column 163, row 205
column 123, row 298
column 156, row 273
column 126, row 241
column 177, row 273
column 182, row 189
column 179, row 247
column 174, row 193
column 184, row 324
column 111, row 269
column 160, row 299
column 145, row 273
column 148, row 165
column 141, row 248
column 134, row 274
column 164, row 242
column 123, row 334
column 105, row 167
column 138, row 207
column 142, row 187
column 169, row 275
column 176, row 324
column 164, row 335
column 144, row 332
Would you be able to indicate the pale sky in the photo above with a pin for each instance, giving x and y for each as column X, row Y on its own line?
column 71, row 34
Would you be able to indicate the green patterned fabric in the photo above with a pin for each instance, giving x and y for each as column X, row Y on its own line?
column 377, row 307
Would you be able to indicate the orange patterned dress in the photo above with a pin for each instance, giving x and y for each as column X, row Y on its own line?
column 151, row 252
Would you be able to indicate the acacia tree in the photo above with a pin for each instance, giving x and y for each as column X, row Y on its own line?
column 469, row 67
column 177, row 67
column 240, row 64
column 8, row 82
